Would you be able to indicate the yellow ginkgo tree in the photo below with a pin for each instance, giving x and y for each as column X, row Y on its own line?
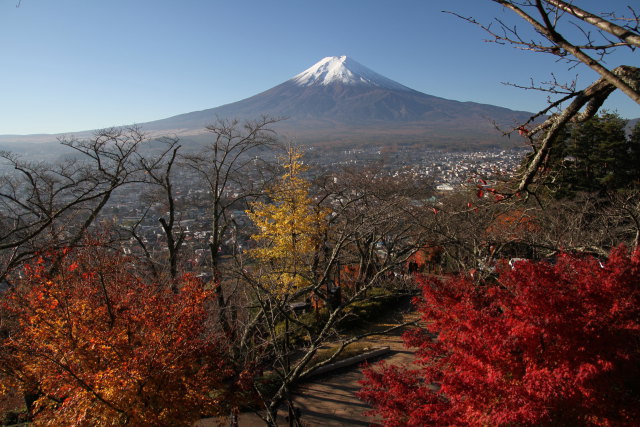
column 289, row 226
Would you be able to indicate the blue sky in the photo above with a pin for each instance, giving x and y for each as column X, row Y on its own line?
column 70, row 65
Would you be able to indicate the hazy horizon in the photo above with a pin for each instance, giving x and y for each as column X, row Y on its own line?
column 72, row 65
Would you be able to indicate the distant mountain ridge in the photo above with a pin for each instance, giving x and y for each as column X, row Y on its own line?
column 338, row 100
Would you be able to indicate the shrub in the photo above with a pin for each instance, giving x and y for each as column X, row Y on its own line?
column 543, row 344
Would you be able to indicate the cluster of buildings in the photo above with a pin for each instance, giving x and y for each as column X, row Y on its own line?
column 447, row 171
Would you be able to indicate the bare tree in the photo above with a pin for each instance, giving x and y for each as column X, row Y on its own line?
column 232, row 171
column 554, row 23
column 477, row 234
column 45, row 206
column 158, row 173
column 589, row 223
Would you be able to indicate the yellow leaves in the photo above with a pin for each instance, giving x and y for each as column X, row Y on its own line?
column 5, row 390
column 290, row 227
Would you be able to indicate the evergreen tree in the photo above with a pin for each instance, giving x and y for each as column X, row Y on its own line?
column 634, row 156
column 595, row 156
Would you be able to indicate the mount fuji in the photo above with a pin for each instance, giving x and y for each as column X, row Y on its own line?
column 339, row 100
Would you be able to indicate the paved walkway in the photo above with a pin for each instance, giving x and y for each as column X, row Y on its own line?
column 330, row 399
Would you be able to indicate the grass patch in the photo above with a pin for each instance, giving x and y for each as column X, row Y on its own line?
column 299, row 335
column 378, row 303
column 351, row 350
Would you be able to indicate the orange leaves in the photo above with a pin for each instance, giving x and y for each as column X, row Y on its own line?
column 111, row 346
column 514, row 224
column 523, row 131
column 483, row 189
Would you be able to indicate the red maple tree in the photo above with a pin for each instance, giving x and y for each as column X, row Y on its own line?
column 98, row 344
column 541, row 344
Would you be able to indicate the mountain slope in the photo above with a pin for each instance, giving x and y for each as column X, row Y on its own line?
column 338, row 100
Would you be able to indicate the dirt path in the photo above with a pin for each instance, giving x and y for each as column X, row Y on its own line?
column 330, row 400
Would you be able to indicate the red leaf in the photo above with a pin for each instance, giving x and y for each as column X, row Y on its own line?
column 521, row 349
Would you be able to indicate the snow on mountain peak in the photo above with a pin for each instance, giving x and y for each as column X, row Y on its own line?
column 343, row 70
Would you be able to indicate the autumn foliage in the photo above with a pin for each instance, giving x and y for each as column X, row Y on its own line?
column 100, row 346
column 543, row 344
column 289, row 227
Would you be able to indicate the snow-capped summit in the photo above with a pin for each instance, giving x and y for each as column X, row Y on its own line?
column 346, row 71
column 340, row 100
